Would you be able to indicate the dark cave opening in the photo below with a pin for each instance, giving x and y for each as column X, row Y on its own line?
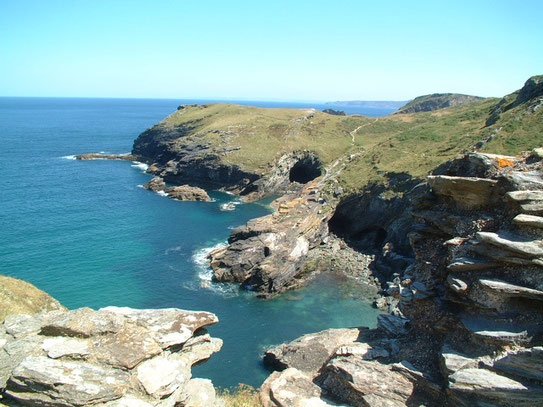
column 369, row 238
column 306, row 169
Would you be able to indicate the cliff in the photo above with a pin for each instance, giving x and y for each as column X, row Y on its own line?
column 345, row 176
column 436, row 101
column 467, row 327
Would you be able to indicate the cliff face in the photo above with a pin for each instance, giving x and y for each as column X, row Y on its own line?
column 436, row 101
column 468, row 326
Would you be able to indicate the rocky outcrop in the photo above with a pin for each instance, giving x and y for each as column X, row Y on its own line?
column 468, row 329
column 267, row 254
column 531, row 94
column 110, row 357
column 180, row 193
column 100, row 156
column 20, row 297
column 437, row 101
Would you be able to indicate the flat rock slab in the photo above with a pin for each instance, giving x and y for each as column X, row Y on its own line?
column 525, row 248
column 529, row 220
column 520, row 196
column 360, row 382
column 492, row 386
column 467, row 192
column 524, row 363
column 310, row 352
column 169, row 326
column 65, row 383
column 508, row 289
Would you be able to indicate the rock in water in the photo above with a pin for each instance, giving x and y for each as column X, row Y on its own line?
column 187, row 193
column 113, row 356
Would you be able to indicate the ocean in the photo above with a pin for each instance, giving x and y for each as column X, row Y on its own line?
column 87, row 233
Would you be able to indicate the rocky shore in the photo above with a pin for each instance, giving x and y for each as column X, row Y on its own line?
column 468, row 326
column 110, row 357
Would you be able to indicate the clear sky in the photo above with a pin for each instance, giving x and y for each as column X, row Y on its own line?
column 268, row 50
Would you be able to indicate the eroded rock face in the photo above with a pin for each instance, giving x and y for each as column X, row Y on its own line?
column 267, row 254
column 111, row 357
column 468, row 328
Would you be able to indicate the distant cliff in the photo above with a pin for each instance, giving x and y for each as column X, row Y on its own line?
column 428, row 103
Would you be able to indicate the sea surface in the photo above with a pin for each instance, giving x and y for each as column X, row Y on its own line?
column 89, row 235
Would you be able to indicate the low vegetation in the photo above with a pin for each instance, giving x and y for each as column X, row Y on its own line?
column 373, row 149
column 241, row 396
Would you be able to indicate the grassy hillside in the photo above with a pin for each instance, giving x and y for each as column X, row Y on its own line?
column 437, row 101
column 411, row 143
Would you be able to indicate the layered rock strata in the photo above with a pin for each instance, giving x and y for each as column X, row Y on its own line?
column 468, row 329
column 110, row 357
column 267, row 254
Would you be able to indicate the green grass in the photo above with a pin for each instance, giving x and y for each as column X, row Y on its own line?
column 411, row 143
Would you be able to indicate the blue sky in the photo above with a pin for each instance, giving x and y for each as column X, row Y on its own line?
column 273, row 50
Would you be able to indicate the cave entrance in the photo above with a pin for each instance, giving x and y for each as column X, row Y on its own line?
column 306, row 169
column 344, row 226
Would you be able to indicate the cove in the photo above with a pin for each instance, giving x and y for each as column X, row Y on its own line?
column 89, row 235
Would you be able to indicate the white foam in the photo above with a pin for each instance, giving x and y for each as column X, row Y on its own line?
column 142, row 166
column 69, row 157
column 140, row 186
column 205, row 274
column 162, row 193
column 229, row 206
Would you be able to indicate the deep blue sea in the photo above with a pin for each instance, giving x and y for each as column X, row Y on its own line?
column 89, row 235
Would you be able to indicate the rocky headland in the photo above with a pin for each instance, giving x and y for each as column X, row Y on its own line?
column 454, row 257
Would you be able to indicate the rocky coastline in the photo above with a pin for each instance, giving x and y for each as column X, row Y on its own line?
column 453, row 259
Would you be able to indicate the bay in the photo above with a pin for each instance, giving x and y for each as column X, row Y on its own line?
column 89, row 235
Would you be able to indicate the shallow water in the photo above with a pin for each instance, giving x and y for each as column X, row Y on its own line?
column 88, row 234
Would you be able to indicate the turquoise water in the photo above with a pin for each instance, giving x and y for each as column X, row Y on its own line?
column 88, row 234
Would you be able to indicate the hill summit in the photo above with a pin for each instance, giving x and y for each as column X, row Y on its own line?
column 437, row 101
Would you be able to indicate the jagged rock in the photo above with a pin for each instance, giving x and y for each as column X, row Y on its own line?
column 467, row 192
column 168, row 326
column 291, row 388
column 520, row 196
column 452, row 361
column 364, row 350
column 524, row 363
column 508, row 289
column 456, row 284
column 268, row 254
column 460, row 264
column 525, row 180
column 187, row 193
column 111, row 357
column 360, row 382
column 525, row 248
column 494, row 331
column 529, row 220
column 392, row 324
column 310, row 352
column 156, row 184
column 466, row 384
